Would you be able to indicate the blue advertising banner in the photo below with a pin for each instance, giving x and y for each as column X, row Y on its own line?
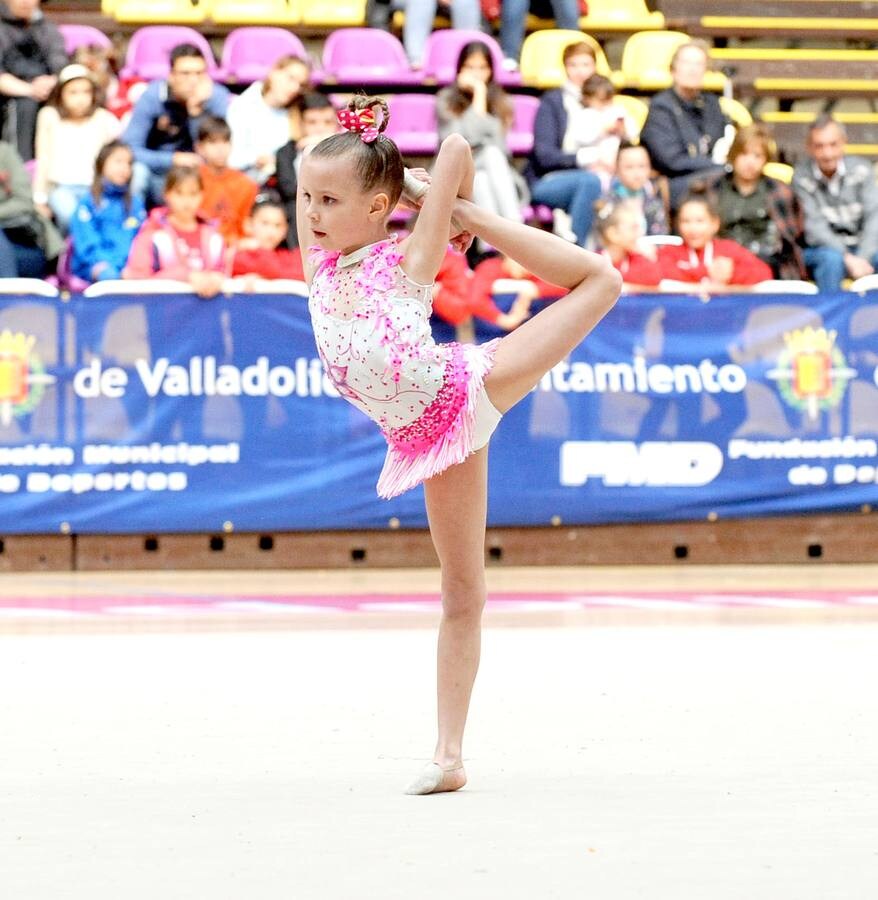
column 148, row 413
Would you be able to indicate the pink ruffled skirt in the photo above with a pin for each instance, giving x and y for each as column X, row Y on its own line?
column 458, row 422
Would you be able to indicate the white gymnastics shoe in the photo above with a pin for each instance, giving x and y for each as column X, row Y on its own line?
column 412, row 187
column 436, row 780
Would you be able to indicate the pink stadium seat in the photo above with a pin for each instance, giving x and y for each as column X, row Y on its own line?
column 150, row 47
column 366, row 56
column 76, row 36
column 521, row 135
column 249, row 52
column 444, row 46
column 413, row 123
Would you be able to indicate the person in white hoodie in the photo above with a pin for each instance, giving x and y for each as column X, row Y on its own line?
column 266, row 116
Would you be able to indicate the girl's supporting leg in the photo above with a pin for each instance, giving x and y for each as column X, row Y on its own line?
column 526, row 354
column 457, row 506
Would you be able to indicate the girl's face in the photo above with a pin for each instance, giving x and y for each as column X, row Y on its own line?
column 475, row 67
column 77, row 97
column 184, row 200
column 117, row 167
column 748, row 164
column 579, row 68
column 626, row 232
column 285, row 84
column 632, row 168
column 341, row 215
column 697, row 225
column 268, row 227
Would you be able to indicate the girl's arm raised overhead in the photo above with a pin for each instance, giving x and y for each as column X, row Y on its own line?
column 452, row 178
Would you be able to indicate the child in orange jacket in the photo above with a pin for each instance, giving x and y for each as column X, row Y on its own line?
column 176, row 243
column 228, row 194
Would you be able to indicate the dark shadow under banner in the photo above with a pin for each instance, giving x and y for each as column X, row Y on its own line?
column 170, row 413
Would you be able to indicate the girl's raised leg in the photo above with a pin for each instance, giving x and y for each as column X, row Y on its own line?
column 456, row 509
column 526, row 354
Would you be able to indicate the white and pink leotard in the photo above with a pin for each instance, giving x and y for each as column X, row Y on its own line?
column 372, row 327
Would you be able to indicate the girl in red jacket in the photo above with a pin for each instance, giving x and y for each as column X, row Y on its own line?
column 176, row 243
column 620, row 229
column 716, row 264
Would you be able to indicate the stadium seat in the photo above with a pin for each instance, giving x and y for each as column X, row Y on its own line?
column 736, row 111
column 255, row 12
column 249, row 52
column 171, row 12
column 520, row 138
column 778, row 171
column 108, row 6
column 636, row 108
column 542, row 64
column 413, row 123
column 76, row 36
column 334, row 14
column 788, row 26
column 620, row 15
column 443, row 48
column 150, row 47
column 646, row 61
column 361, row 56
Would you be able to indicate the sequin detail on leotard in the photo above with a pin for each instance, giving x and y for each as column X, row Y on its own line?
column 371, row 324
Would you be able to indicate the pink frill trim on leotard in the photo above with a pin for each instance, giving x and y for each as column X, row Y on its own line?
column 444, row 434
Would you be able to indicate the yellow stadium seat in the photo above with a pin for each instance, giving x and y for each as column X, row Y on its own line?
column 620, row 15
column 634, row 107
column 542, row 64
column 334, row 14
column 160, row 12
column 646, row 61
column 108, row 6
column 255, row 12
column 736, row 111
column 778, row 171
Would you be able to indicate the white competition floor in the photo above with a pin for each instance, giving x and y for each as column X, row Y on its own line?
column 636, row 733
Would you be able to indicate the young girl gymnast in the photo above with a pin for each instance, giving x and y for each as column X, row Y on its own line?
column 436, row 404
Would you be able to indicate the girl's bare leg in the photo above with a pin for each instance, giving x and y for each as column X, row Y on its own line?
column 526, row 354
column 457, row 509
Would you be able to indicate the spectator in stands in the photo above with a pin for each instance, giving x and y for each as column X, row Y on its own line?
column 318, row 122
column 686, row 131
column 839, row 198
column 71, row 129
column 513, row 19
column 717, row 264
column 119, row 93
column 419, row 17
column 476, row 107
column 266, row 116
column 262, row 253
column 164, row 122
column 529, row 290
column 28, row 241
column 228, row 193
column 558, row 175
column 633, row 182
column 620, row 230
column 31, row 56
column 109, row 216
column 451, row 289
column 599, row 127
column 758, row 212
column 176, row 243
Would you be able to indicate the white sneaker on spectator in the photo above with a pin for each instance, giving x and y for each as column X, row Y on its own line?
column 561, row 225
column 510, row 64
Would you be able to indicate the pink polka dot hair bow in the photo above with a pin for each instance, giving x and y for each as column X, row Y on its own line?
column 360, row 121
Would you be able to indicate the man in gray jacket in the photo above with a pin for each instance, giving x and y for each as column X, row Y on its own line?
column 839, row 197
